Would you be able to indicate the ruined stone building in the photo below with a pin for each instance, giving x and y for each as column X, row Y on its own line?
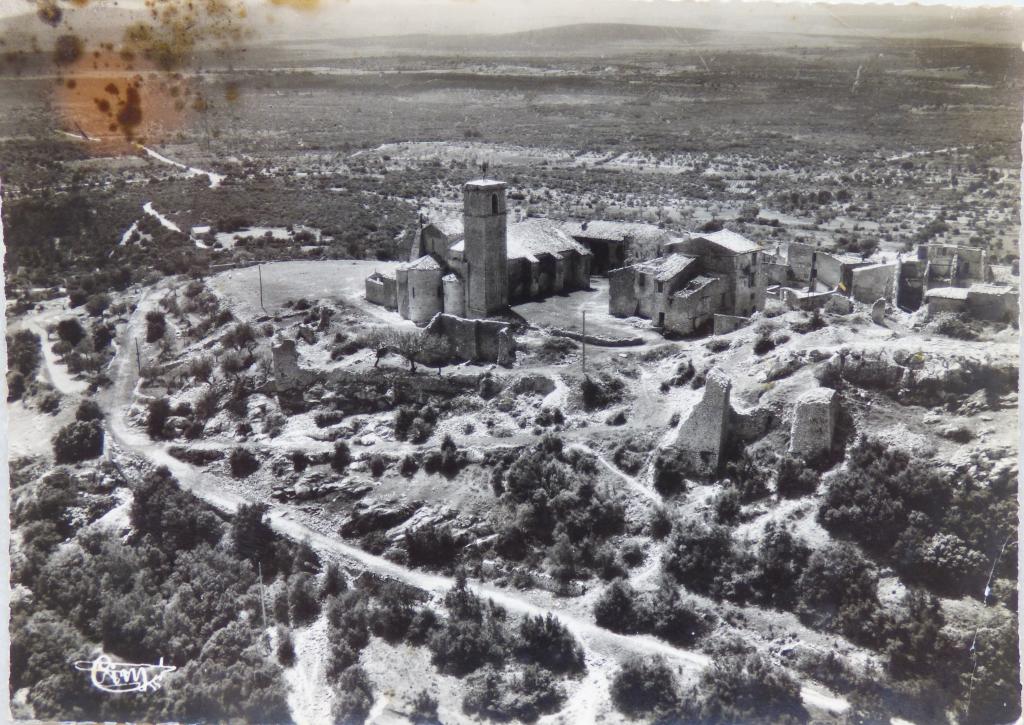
column 696, row 278
column 615, row 244
column 479, row 265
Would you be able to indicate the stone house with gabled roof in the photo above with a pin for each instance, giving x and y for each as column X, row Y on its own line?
column 699, row 276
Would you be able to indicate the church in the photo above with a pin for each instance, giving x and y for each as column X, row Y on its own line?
column 477, row 266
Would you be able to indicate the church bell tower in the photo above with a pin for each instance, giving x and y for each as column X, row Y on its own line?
column 486, row 247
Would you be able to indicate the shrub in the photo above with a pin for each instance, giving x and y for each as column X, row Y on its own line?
column 239, row 336
column 88, row 409
column 727, row 505
column 97, row 304
column 763, row 344
column 279, row 606
column 795, row 477
column 341, row 456
column 644, row 686
column 392, row 613
column 156, row 326
column 200, row 367
column 158, row 412
column 78, row 441
column 252, row 538
column 670, row 472
column 615, row 608
column 424, row 709
column 749, row 689
column 665, row 614
column 597, row 393
column 378, row 465
column 451, row 458
column 49, row 402
column 471, row 637
column 23, row 352
column 750, row 473
column 781, row 559
column 70, row 330
column 285, row 647
column 431, row 546
column 232, row 362
column 334, row 582
column 243, row 462
column 353, row 697
column 15, row 385
column 303, row 606
column 838, row 590
column 701, row 557
column 523, row 697
column 546, row 642
column 409, row 466
column 660, row 524
column 871, row 499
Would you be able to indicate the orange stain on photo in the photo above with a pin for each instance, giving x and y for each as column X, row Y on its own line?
column 107, row 98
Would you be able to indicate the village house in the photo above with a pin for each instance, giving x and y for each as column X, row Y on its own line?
column 477, row 266
column 614, row 243
column 682, row 290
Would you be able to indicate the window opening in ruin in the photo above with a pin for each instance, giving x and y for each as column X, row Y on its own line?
column 494, row 203
column 660, row 285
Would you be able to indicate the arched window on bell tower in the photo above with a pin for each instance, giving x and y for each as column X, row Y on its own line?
column 494, row 203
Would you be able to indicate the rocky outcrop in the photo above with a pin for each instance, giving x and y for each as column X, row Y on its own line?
column 377, row 516
column 920, row 378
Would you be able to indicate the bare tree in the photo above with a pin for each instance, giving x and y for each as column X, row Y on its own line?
column 377, row 339
column 409, row 345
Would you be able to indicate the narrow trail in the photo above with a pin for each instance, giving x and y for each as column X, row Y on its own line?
column 596, row 640
column 215, row 179
column 649, row 493
column 56, row 372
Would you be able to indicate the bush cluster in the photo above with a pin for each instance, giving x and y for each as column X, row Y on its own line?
column 662, row 613
column 546, row 498
column 78, row 441
column 934, row 532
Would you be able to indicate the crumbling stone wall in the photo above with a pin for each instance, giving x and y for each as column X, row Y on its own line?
column 382, row 290
column 800, row 258
column 988, row 302
column 476, row 340
column 876, row 281
column 724, row 324
column 814, row 422
column 796, row 300
column 622, row 299
column 287, row 373
column 702, row 436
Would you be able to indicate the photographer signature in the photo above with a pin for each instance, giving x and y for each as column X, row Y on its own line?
column 111, row 676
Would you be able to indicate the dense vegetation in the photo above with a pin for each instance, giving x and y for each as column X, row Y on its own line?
column 178, row 589
column 549, row 504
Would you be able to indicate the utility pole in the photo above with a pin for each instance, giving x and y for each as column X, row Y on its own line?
column 259, row 270
column 584, row 340
column 138, row 357
column 263, row 604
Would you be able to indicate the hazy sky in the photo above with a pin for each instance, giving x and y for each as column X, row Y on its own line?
column 390, row 17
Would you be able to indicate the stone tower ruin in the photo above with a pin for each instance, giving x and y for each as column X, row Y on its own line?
column 486, row 247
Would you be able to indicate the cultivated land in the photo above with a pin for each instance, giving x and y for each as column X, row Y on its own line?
column 859, row 581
